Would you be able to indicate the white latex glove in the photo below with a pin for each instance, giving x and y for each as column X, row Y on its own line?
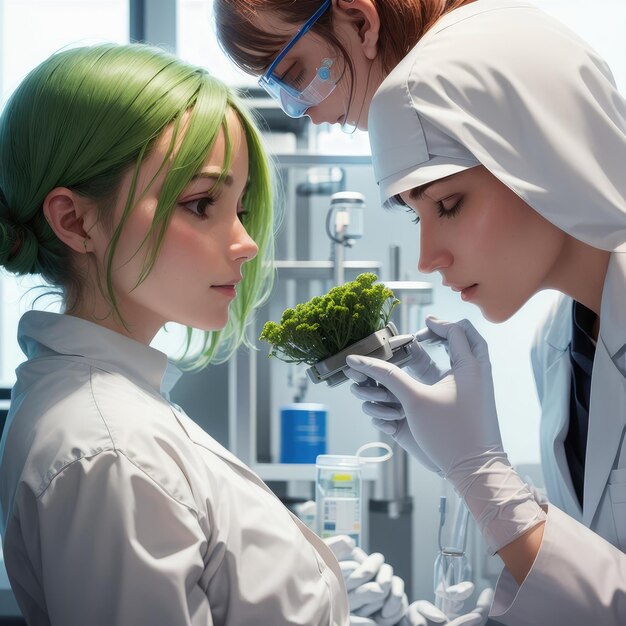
column 384, row 407
column 454, row 423
column 341, row 546
column 395, row 606
column 365, row 572
column 451, row 599
column 423, row 613
column 373, row 590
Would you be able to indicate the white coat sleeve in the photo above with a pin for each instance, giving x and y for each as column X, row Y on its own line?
column 577, row 579
column 116, row 548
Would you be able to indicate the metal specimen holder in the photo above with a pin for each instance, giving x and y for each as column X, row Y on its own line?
column 377, row 345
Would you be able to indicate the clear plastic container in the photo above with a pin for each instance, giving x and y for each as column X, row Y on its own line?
column 338, row 496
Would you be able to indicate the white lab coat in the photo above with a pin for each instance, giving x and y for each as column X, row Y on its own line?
column 117, row 509
column 579, row 577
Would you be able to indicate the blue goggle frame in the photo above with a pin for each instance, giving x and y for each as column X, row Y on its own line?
column 290, row 98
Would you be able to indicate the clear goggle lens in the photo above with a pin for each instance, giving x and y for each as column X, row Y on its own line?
column 295, row 102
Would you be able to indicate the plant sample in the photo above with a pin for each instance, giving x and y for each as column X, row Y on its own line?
column 325, row 325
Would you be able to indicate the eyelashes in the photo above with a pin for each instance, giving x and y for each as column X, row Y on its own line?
column 198, row 207
column 298, row 79
column 415, row 219
column 448, row 212
column 442, row 211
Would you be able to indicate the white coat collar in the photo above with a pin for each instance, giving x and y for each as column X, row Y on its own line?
column 607, row 411
column 613, row 311
column 612, row 316
column 42, row 334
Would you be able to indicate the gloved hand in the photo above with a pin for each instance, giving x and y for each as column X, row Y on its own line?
column 420, row 365
column 374, row 592
column 454, row 423
column 450, row 600
column 383, row 406
column 423, row 613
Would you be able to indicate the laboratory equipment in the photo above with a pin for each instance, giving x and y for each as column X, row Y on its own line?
column 303, row 432
column 338, row 496
column 385, row 344
column 338, row 491
column 452, row 566
column 347, row 207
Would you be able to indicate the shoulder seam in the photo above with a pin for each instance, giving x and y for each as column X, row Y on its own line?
column 93, row 395
column 121, row 454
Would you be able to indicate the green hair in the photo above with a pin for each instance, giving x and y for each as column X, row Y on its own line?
column 85, row 117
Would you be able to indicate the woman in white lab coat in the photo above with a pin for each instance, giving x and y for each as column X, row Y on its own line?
column 136, row 185
column 504, row 134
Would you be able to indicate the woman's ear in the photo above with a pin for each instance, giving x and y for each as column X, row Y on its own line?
column 363, row 16
column 66, row 212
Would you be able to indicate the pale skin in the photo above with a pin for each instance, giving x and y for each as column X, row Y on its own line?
column 199, row 265
column 487, row 243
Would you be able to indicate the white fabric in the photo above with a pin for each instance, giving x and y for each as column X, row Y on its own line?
column 117, row 509
column 499, row 82
column 423, row 613
column 373, row 590
column 579, row 577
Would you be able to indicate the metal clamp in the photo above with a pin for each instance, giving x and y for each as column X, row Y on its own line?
column 384, row 344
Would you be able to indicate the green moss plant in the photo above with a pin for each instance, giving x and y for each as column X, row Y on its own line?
column 325, row 325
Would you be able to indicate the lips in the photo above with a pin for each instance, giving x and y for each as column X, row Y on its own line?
column 226, row 290
column 458, row 287
column 467, row 291
column 230, row 283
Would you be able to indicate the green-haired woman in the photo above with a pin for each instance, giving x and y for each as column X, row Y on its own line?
column 136, row 184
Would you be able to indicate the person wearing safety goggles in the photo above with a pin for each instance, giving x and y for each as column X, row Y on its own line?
column 294, row 85
column 318, row 59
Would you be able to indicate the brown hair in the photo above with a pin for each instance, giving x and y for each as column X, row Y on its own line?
column 402, row 25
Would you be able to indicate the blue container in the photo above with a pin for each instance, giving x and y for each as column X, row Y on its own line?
column 303, row 432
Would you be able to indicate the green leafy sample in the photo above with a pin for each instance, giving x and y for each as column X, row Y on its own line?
column 325, row 325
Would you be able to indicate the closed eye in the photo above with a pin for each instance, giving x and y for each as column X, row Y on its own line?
column 294, row 76
column 445, row 209
column 299, row 79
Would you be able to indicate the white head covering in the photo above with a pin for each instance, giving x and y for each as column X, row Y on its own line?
column 500, row 83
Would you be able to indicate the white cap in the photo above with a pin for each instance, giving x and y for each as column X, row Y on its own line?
column 407, row 151
column 501, row 84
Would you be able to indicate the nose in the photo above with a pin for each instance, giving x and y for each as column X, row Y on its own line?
column 434, row 255
column 243, row 247
column 314, row 115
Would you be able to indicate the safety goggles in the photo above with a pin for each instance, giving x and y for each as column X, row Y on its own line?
column 294, row 100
